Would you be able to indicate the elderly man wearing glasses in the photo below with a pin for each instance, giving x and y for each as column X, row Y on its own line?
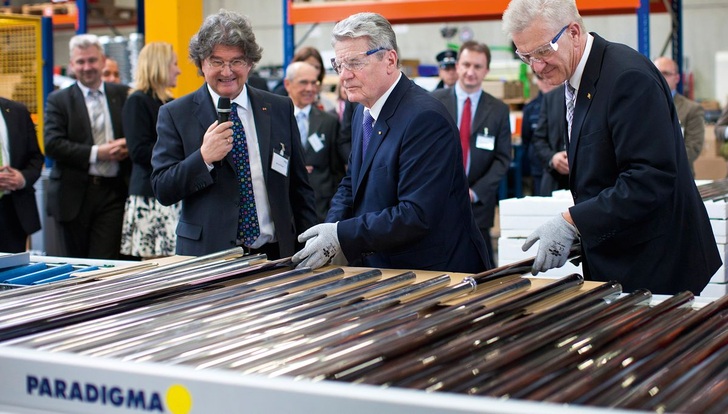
column 404, row 201
column 637, row 212
column 242, row 181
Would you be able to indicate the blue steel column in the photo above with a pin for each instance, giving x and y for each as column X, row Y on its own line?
column 643, row 28
column 82, row 28
column 677, row 50
column 288, row 36
column 140, row 16
column 46, row 31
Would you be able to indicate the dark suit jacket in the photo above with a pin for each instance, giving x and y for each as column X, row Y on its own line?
column 328, row 163
column 140, row 124
column 68, row 141
column 210, row 199
column 406, row 205
column 549, row 137
column 26, row 157
column 641, row 219
column 487, row 167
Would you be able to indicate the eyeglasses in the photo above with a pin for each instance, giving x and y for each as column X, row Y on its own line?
column 542, row 52
column 305, row 83
column 354, row 65
column 234, row 64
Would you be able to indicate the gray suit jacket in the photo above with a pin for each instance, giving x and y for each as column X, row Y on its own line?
column 210, row 199
column 487, row 166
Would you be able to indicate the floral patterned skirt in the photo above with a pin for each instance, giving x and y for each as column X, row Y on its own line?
column 149, row 227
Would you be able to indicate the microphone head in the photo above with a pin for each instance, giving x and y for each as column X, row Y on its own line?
column 223, row 109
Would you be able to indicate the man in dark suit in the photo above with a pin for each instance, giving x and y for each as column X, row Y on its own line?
column 548, row 145
column 241, row 182
column 637, row 212
column 20, row 165
column 531, row 165
column 486, row 145
column 404, row 201
column 325, row 154
column 84, row 137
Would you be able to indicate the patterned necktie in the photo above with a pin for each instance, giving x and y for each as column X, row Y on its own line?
column 465, row 129
column 248, row 228
column 2, row 193
column 367, row 125
column 98, row 128
column 570, row 102
column 302, row 127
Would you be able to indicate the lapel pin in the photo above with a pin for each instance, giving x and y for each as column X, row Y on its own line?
column 265, row 108
column 588, row 95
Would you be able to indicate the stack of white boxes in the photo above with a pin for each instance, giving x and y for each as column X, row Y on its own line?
column 520, row 216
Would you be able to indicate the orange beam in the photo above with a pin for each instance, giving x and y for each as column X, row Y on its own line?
column 426, row 11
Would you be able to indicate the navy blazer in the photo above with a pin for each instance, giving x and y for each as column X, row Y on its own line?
column 25, row 156
column 140, row 124
column 210, row 199
column 487, row 167
column 641, row 218
column 68, row 141
column 406, row 204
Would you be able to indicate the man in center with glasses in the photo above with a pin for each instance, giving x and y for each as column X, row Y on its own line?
column 242, row 182
column 404, row 201
column 637, row 212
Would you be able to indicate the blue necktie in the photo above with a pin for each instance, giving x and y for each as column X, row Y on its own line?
column 302, row 127
column 367, row 125
column 248, row 228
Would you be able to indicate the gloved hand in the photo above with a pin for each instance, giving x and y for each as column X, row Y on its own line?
column 322, row 243
column 556, row 236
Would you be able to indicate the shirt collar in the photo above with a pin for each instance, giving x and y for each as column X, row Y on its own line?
column 242, row 98
column 306, row 110
column 462, row 95
column 85, row 89
column 379, row 104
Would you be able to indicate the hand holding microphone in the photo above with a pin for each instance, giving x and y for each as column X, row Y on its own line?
column 218, row 139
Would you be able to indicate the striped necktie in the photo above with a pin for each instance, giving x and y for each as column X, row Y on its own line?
column 570, row 103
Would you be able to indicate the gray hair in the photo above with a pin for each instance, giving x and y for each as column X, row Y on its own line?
column 225, row 28
column 370, row 25
column 294, row 67
column 84, row 41
column 555, row 13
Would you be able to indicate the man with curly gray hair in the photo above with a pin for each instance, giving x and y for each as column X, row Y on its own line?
column 242, row 181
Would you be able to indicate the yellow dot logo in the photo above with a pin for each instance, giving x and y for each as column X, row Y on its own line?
column 179, row 400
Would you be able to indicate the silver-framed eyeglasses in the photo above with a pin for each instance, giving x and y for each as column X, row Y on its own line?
column 234, row 64
column 541, row 53
column 354, row 64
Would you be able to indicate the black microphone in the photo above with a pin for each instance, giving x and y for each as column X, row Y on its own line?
column 223, row 110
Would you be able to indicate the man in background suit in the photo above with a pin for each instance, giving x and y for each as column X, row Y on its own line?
column 246, row 189
column 325, row 155
column 548, row 145
column 20, row 165
column 636, row 210
column 404, row 202
column 690, row 113
column 531, row 165
column 487, row 148
column 83, row 135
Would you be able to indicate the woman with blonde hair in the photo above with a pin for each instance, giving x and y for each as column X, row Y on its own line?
column 149, row 227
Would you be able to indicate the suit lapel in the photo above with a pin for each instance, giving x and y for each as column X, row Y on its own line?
column 585, row 94
column 77, row 98
column 262, row 118
column 381, row 127
column 314, row 124
column 481, row 115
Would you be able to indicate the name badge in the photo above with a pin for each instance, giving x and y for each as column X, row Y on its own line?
column 279, row 163
column 316, row 142
column 484, row 141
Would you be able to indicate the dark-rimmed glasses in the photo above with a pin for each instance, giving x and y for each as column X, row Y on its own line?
column 542, row 53
column 354, row 65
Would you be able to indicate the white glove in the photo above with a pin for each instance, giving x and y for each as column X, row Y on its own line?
column 556, row 236
column 322, row 243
